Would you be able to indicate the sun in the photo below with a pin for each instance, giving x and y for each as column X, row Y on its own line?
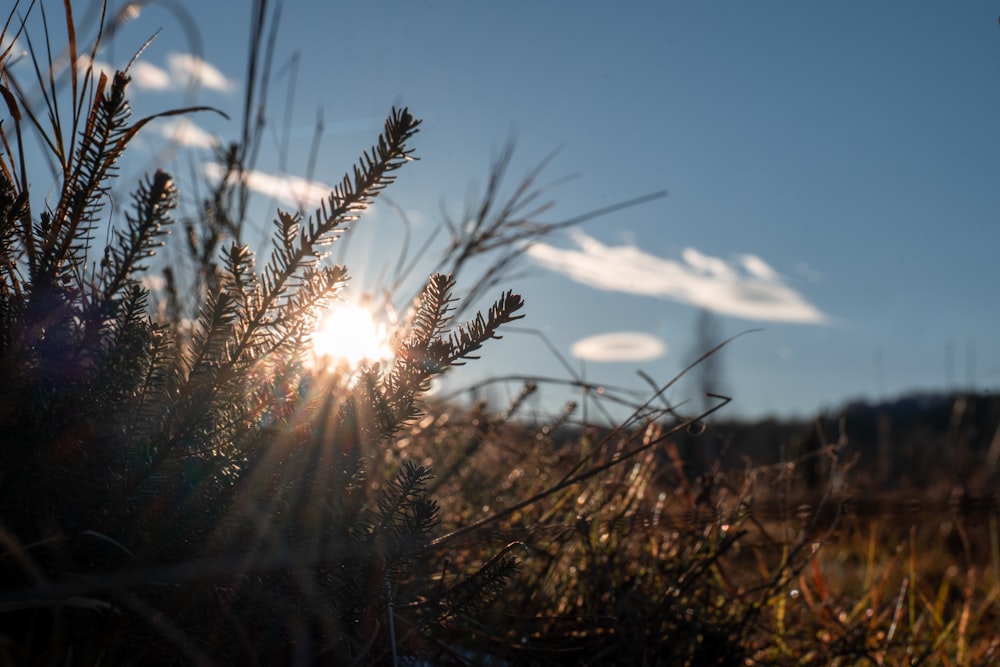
column 348, row 334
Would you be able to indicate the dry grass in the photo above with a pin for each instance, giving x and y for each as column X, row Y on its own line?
column 267, row 517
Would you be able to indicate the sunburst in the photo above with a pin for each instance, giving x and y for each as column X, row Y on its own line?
column 349, row 335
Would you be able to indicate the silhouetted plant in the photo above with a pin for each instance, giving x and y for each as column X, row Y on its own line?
column 181, row 487
column 198, row 495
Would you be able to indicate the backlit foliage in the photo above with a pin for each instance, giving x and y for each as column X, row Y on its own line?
column 200, row 473
column 177, row 485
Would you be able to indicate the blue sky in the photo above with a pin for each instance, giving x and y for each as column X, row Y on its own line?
column 832, row 172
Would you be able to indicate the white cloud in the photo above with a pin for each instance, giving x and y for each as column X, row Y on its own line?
column 291, row 190
column 186, row 69
column 183, row 70
column 129, row 12
column 747, row 287
column 186, row 133
column 755, row 266
column 619, row 346
column 16, row 50
column 83, row 62
column 150, row 77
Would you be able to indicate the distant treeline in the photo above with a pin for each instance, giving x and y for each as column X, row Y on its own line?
column 936, row 444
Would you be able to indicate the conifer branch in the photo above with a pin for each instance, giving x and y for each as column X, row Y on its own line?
column 175, row 443
column 85, row 190
column 373, row 173
column 13, row 205
column 471, row 336
column 152, row 203
column 483, row 586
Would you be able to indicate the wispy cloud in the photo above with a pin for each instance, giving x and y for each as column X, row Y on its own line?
column 290, row 190
column 619, row 346
column 150, row 77
column 746, row 287
column 16, row 49
column 183, row 131
column 99, row 66
column 183, row 70
column 186, row 69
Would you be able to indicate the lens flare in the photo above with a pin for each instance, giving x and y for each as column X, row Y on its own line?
column 349, row 335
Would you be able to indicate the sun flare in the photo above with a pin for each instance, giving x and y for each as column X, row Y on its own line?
column 348, row 334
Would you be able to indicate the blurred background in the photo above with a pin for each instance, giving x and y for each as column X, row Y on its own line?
column 825, row 176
